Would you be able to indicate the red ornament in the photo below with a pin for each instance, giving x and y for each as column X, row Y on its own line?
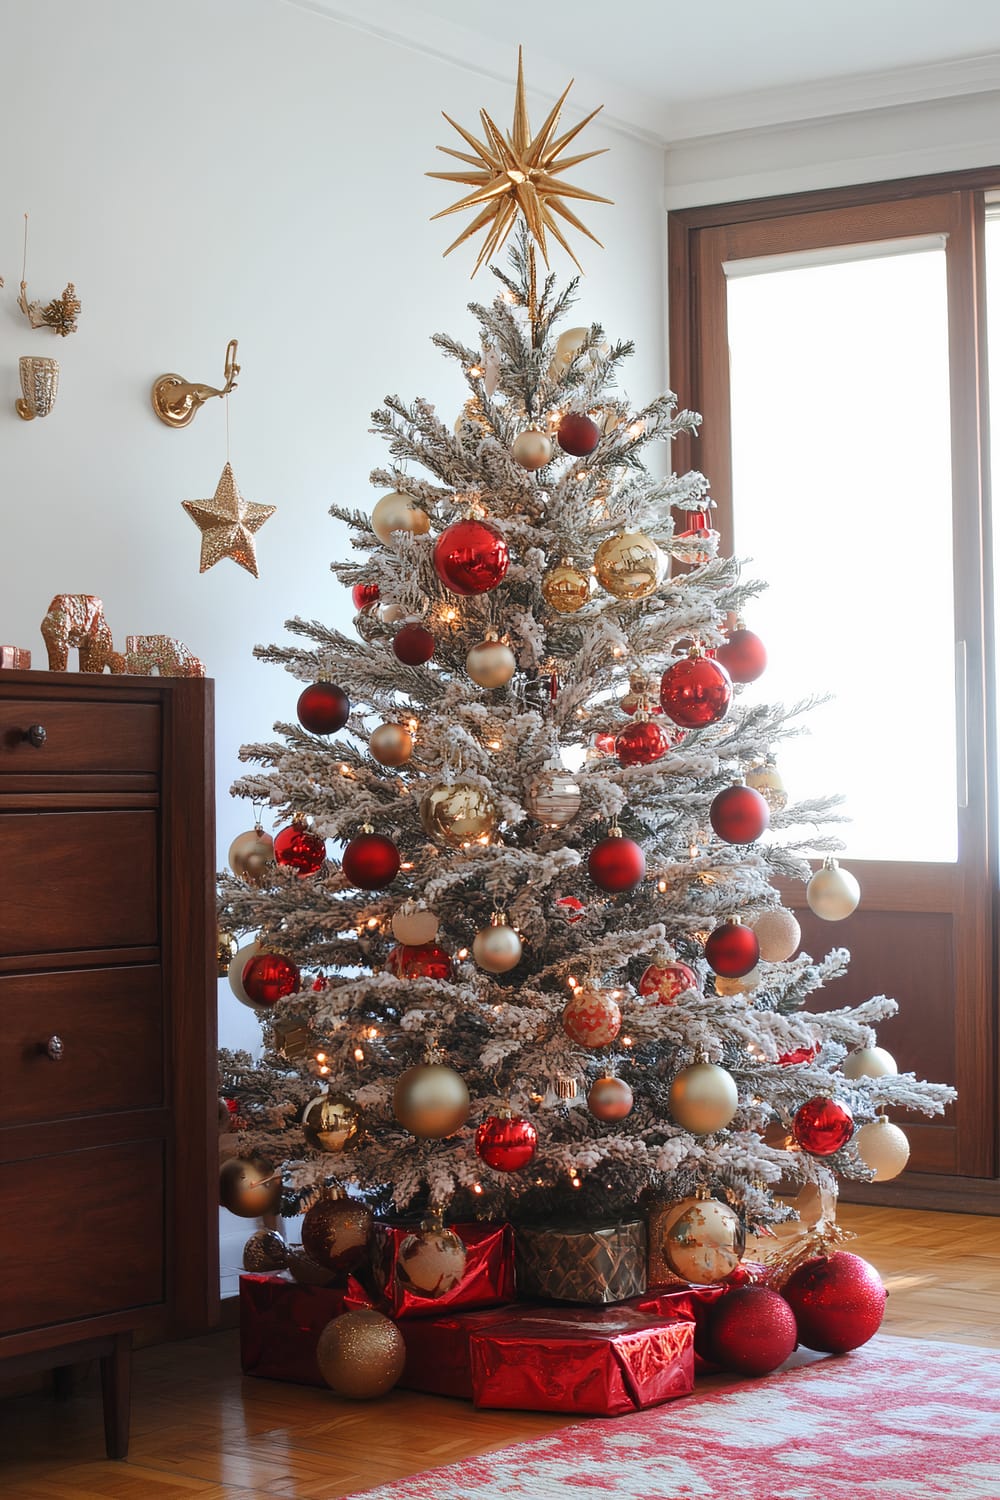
column 744, row 656
column 605, row 743
column 695, row 691
column 641, row 743
column 413, row 645
column 593, row 1018
column 838, row 1301
column 699, row 530
column 268, row 978
column 323, row 708
column 370, row 861
column 800, row 1055
column 471, row 557
column 616, row 864
column 666, row 983
column 506, row 1142
column 751, row 1331
column 732, row 950
column 320, row 983
column 419, row 961
column 571, row 907
column 739, row 814
column 363, row 594
column 823, row 1126
column 578, row 435
column 300, row 850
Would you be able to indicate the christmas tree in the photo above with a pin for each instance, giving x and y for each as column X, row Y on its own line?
column 548, row 974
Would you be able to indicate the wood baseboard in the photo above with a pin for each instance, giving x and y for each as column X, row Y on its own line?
column 956, row 1195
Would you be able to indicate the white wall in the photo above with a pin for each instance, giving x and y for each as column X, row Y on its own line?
column 208, row 169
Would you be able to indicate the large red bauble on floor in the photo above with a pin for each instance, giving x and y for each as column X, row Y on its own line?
column 419, row 961
column 413, row 645
column 751, row 1331
column 664, row 984
column 506, row 1142
column 323, row 708
column 744, row 656
column 300, row 850
column 370, row 861
column 578, row 434
column 838, row 1301
column 268, row 978
column 739, row 814
column 616, row 864
column 363, row 594
column 641, row 743
column 471, row 557
column 732, row 950
column 823, row 1126
column 695, row 692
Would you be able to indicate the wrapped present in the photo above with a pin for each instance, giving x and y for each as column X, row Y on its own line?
column 487, row 1279
column 281, row 1321
column 693, row 1303
column 438, row 1360
column 581, row 1263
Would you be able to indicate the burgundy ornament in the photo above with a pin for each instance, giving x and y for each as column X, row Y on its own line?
column 822, row 1126
column 300, row 849
column 751, row 1331
column 732, row 950
column 471, row 557
column 641, row 743
column 506, row 1142
column 664, row 984
column 363, row 594
column 616, row 864
column 413, row 645
column 739, row 814
column 419, row 961
column 695, row 691
column 370, row 861
column 323, row 708
column 268, row 978
column 578, row 434
column 838, row 1301
column 744, row 656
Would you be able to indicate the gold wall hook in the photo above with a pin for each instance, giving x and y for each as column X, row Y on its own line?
column 39, row 384
column 176, row 400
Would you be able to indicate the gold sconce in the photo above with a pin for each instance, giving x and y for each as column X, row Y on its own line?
column 39, row 384
column 176, row 400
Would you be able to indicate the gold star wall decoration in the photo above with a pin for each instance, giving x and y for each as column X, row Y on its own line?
column 227, row 524
column 519, row 173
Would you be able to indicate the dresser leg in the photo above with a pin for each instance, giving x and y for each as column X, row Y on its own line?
column 116, row 1373
column 63, row 1381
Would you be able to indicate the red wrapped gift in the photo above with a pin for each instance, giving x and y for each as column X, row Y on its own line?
column 692, row 1303
column 281, row 1321
column 437, row 1350
column 488, row 1279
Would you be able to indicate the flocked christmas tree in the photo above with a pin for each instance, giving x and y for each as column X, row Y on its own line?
column 519, row 951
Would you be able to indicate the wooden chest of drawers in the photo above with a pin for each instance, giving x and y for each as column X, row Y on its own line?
column 108, row 1134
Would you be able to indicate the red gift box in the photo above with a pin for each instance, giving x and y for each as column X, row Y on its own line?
column 488, row 1279
column 281, row 1321
column 437, row 1350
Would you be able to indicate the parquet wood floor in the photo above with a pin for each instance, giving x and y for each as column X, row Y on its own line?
column 201, row 1432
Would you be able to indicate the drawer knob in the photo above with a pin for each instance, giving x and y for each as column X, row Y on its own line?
column 35, row 735
column 54, row 1048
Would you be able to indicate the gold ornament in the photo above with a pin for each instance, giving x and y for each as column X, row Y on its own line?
column 250, row 854
column 265, row 1250
column 778, row 934
column 492, row 663
column 331, row 1121
column 532, row 449
column 869, row 1062
column 293, row 1037
column 431, row 1101
column 767, row 780
column 630, row 565
column 832, row 893
column 249, row 1188
column 702, row 1239
column 568, row 346
column 228, row 524
column 554, row 798
column 240, row 959
column 226, row 949
column 309, row 1272
column 361, row 1355
column 337, row 1230
column 497, row 948
column 391, row 744
column 457, row 814
column 414, row 925
column 518, row 172
column 431, row 1260
column 610, row 1099
column 566, row 588
column 396, row 512
column 703, row 1098
column 883, row 1147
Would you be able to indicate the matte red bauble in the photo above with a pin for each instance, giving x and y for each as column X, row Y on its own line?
column 413, row 645
column 506, row 1142
column 370, row 861
column 323, row 708
column 739, row 814
column 471, row 557
column 268, row 978
column 419, row 961
column 744, row 656
column 838, row 1301
column 363, row 594
column 300, row 850
column 695, row 691
column 616, row 864
column 578, row 435
column 664, row 984
column 732, row 950
column 800, row 1055
column 751, row 1331
column 641, row 743
column 823, row 1126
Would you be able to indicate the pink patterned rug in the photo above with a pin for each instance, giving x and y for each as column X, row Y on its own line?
column 900, row 1419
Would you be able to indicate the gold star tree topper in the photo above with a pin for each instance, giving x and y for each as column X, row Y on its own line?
column 227, row 524
column 519, row 173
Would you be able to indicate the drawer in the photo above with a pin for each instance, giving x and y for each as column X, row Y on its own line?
column 77, row 880
column 84, row 1234
column 94, row 737
column 110, row 1024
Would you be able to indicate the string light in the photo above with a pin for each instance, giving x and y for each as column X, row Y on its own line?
column 573, row 983
column 359, row 1055
column 626, row 1041
column 477, row 1187
column 372, row 1033
column 661, row 886
column 372, row 922
column 462, row 953
column 321, row 1057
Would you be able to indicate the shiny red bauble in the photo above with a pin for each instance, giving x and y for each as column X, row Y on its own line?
column 751, row 1331
column 838, row 1301
column 300, row 850
column 739, row 814
column 370, row 861
column 419, row 961
column 471, row 557
column 323, row 708
column 664, row 984
column 800, row 1055
column 641, row 743
column 363, row 594
column 695, row 692
column 268, row 978
column 616, row 864
column 744, row 656
column 703, row 535
column 570, row 907
column 822, row 1126
column 578, row 435
column 732, row 950
column 506, row 1142
column 413, row 645
column 605, row 743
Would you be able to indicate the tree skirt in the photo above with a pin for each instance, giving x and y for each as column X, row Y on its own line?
column 900, row 1419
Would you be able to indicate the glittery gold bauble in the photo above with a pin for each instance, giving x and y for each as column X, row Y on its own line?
column 869, row 1062
column 532, row 449
column 554, row 798
column 249, row 1188
column 702, row 1240
column 741, row 986
column 431, row 1260
column 884, row 1148
column 361, row 1355
column 330, row 1122
column 778, row 934
column 703, row 1098
column 265, row 1250
column 491, row 664
column 250, row 854
column 767, row 780
column 414, row 926
column 397, row 512
column 226, row 949
column 610, row 1099
column 566, row 588
column 630, row 565
column 457, row 814
column 337, row 1231
column 391, row 744
column 497, row 948
column 431, row 1101
column 239, row 962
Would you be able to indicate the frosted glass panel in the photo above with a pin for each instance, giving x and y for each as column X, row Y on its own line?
column 842, row 501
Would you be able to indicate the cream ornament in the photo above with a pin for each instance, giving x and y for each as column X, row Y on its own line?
column 568, row 346
column 869, row 1062
column 883, row 1148
column 554, row 798
column 833, row 893
column 532, row 449
column 778, row 934
column 491, row 664
column 414, row 925
column 396, row 512
column 497, row 948
column 741, row 986
column 391, row 745
column 767, row 780
column 703, row 1098
column 431, row 1260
